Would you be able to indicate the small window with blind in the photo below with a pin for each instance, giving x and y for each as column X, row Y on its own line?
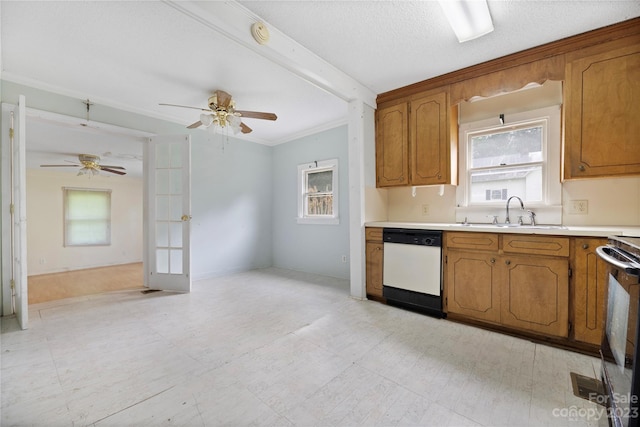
column 318, row 192
column 87, row 217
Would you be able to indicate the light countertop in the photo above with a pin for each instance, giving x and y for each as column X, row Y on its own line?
column 556, row 230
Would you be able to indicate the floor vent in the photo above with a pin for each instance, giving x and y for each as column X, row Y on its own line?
column 587, row 388
column 148, row 291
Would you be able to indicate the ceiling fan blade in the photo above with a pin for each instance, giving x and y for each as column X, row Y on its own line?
column 195, row 125
column 59, row 166
column 106, row 169
column 244, row 128
column 186, row 106
column 256, row 115
column 112, row 167
column 224, row 99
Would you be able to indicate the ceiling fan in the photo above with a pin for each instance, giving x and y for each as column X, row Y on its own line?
column 90, row 165
column 222, row 112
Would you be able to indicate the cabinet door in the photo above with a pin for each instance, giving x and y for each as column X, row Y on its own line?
column 373, row 234
column 472, row 289
column 374, row 262
column 471, row 240
column 589, row 291
column 535, row 245
column 430, row 152
column 601, row 98
column 535, row 294
column 392, row 146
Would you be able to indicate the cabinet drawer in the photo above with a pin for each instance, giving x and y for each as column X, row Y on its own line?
column 535, row 245
column 462, row 240
column 373, row 234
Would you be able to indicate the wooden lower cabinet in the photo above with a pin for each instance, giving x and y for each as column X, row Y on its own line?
column 472, row 286
column 589, row 283
column 374, row 261
column 507, row 286
column 374, row 269
column 535, row 294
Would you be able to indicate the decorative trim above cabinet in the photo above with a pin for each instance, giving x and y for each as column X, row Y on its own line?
column 525, row 57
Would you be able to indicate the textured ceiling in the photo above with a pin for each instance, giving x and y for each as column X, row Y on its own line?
column 389, row 44
column 133, row 55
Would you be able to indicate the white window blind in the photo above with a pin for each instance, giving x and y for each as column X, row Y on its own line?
column 87, row 217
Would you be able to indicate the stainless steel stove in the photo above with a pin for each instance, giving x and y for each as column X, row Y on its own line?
column 619, row 350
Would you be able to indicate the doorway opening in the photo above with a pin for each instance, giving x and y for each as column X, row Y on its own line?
column 56, row 271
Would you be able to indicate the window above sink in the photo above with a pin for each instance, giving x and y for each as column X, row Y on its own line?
column 511, row 148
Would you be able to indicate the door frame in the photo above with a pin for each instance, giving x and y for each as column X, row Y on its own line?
column 5, row 170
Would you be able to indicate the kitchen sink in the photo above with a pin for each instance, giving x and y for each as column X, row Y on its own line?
column 518, row 226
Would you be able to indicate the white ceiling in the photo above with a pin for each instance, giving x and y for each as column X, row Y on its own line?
column 133, row 55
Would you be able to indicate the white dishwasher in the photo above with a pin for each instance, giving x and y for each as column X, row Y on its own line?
column 412, row 269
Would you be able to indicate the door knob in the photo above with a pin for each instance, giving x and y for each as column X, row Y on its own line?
column 185, row 217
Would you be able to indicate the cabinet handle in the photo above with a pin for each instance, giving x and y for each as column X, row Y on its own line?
column 493, row 260
column 585, row 246
column 507, row 262
column 581, row 168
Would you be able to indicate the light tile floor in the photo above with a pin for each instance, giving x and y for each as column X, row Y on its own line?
column 276, row 348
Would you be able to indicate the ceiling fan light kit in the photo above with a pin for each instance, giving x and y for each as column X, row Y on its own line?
column 90, row 165
column 222, row 113
column 469, row 19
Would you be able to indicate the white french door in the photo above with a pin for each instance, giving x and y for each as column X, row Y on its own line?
column 168, row 176
column 16, row 297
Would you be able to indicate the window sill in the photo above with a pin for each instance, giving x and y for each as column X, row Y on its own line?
column 318, row 221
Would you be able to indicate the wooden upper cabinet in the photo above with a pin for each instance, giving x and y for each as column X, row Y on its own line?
column 392, row 146
column 601, row 104
column 428, row 130
column 415, row 143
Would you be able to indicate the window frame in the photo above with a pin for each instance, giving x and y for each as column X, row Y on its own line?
column 528, row 124
column 66, row 220
column 549, row 209
column 314, row 167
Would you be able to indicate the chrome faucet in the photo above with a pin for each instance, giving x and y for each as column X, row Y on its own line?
column 507, row 220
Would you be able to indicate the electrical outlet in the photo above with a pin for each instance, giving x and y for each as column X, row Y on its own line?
column 344, row 258
column 579, row 207
column 425, row 210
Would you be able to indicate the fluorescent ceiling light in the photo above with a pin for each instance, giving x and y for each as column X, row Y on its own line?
column 469, row 19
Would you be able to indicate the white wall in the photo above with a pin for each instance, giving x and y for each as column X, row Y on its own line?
column 45, row 241
column 614, row 201
column 231, row 206
column 310, row 247
column 231, row 185
column 611, row 201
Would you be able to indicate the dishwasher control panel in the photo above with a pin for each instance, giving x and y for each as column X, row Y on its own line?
column 412, row 236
